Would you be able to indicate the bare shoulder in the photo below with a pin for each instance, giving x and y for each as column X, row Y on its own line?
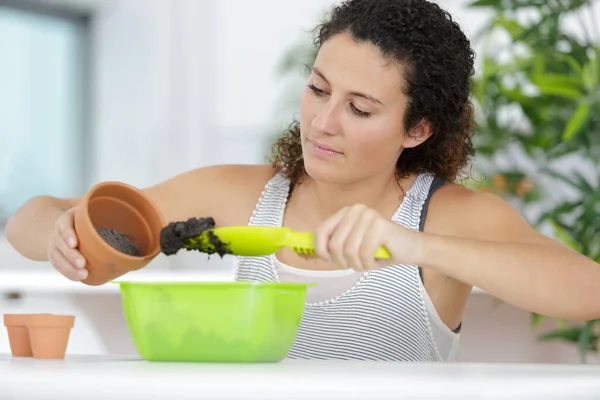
column 455, row 210
column 460, row 211
column 228, row 193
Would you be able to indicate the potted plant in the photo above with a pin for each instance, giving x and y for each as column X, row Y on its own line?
column 538, row 115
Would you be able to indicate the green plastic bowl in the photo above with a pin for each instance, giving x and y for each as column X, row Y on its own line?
column 213, row 321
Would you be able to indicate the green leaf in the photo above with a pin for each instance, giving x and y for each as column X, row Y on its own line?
column 561, row 234
column 561, row 323
column 516, row 4
column 557, row 79
column 584, row 185
column 516, row 95
column 580, row 183
column 514, row 29
column 486, row 3
column 561, row 91
column 577, row 121
column 559, row 85
column 585, row 339
column 561, row 209
column 536, row 319
column 553, row 28
column 489, row 69
column 591, row 73
column 573, row 63
column 564, row 7
column 569, row 335
column 539, row 63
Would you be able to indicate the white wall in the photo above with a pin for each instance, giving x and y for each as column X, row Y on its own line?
column 181, row 81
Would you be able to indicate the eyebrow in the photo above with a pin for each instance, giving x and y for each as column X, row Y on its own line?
column 358, row 94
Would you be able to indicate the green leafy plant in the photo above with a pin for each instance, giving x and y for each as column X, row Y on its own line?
column 537, row 101
column 538, row 112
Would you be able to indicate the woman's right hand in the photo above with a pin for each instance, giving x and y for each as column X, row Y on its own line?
column 62, row 248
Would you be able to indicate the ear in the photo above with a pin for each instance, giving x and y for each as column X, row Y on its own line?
column 418, row 134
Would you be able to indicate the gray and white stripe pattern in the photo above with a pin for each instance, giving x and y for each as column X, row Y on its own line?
column 381, row 318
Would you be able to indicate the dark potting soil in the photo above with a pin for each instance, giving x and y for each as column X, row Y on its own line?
column 118, row 241
column 186, row 235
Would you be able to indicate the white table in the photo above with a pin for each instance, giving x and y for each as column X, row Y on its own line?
column 97, row 377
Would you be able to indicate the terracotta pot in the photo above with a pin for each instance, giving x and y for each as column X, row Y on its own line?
column 18, row 334
column 119, row 206
column 49, row 334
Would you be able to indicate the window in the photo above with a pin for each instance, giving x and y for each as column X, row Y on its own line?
column 43, row 104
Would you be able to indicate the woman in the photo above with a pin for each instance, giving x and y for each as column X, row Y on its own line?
column 384, row 132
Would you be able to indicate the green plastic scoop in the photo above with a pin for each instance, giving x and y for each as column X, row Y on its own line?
column 258, row 241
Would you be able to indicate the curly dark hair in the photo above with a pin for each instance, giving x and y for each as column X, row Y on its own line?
column 438, row 63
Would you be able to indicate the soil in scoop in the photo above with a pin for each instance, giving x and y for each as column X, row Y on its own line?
column 118, row 241
column 183, row 235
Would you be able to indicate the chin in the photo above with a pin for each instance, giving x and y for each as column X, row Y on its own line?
column 324, row 172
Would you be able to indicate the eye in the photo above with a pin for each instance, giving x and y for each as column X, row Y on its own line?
column 316, row 90
column 359, row 113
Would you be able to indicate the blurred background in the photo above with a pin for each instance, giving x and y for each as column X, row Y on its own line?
column 141, row 90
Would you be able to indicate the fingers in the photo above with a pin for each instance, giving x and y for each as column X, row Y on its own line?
column 62, row 249
column 369, row 239
column 72, row 255
column 372, row 239
column 355, row 243
column 350, row 237
column 64, row 225
column 64, row 266
column 338, row 241
column 323, row 234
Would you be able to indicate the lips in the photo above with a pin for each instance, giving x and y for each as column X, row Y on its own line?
column 323, row 147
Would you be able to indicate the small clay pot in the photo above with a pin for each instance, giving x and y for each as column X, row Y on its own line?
column 116, row 205
column 18, row 335
column 49, row 334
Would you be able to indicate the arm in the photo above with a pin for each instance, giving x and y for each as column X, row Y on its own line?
column 227, row 193
column 30, row 226
column 494, row 249
column 474, row 239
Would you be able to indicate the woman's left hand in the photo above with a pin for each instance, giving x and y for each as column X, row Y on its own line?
column 350, row 237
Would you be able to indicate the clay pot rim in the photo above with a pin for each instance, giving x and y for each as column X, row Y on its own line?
column 86, row 201
column 50, row 321
column 20, row 319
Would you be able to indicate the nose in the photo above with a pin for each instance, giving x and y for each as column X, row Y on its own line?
column 327, row 118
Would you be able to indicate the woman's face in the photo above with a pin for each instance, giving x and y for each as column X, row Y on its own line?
column 351, row 113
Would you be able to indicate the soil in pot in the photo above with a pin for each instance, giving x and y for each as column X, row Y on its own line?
column 188, row 235
column 127, row 210
column 118, row 241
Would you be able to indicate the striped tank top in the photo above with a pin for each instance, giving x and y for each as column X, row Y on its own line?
column 385, row 315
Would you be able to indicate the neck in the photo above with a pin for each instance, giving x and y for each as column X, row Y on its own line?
column 381, row 193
